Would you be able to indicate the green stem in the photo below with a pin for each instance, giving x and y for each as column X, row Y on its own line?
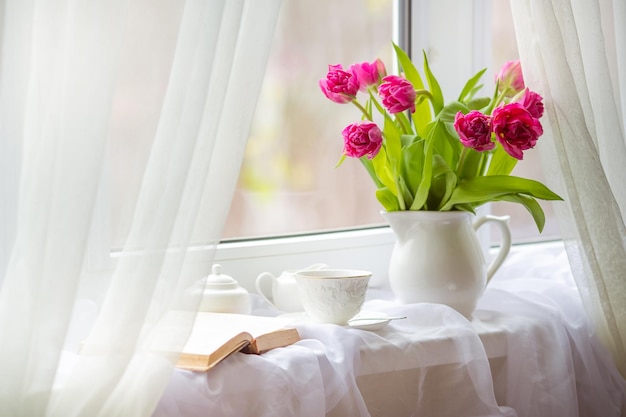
column 363, row 109
column 404, row 122
column 380, row 108
column 424, row 92
column 484, row 164
column 400, row 195
column 497, row 99
column 367, row 163
column 459, row 167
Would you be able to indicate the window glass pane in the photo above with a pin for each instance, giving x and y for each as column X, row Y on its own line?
column 288, row 183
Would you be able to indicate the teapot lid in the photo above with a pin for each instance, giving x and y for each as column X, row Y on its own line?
column 217, row 280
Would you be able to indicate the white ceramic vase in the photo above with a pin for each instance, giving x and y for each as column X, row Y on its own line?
column 437, row 257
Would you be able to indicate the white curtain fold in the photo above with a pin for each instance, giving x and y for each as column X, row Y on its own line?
column 572, row 52
column 61, row 90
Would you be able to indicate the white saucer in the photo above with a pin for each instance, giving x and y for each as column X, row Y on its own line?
column 367, row 320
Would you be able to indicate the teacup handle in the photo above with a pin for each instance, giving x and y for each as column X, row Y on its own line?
column 505, row 245
column 259, row 286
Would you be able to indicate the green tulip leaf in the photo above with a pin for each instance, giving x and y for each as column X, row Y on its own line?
column 393, row 145
column 424, row 187
column 410, row 72
column 444, row 182
column 383, row 171
column 533, row 207
column 478, row 103
column 448, row 113
column 470, row 86
column 406, row 194
column 413, row 165
column 343, row 158
column 471, row 164
column 435, row 89
column 490, row 188
column 408, row 140
column 422, row 115
column 369, row 167
column 501, row 162
column 387, row 199
column 466, row 207
column 448, row 145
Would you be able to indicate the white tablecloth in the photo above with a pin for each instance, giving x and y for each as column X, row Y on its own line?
column 528, row 351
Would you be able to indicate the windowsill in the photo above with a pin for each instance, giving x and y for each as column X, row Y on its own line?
column 368, row 249
column 515, row 354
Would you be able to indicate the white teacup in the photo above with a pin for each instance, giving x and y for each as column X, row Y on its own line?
column 332, row 295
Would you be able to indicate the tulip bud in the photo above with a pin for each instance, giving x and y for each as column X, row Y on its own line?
column 369, row 74
column 510, row 79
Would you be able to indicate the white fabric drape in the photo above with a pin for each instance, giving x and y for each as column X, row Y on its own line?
column 574, row 53
column 62, row 93
column 527, row 352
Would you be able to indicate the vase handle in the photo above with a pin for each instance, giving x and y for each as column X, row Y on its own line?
column 505, row 245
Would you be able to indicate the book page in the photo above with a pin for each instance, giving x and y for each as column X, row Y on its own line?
column 212, row 330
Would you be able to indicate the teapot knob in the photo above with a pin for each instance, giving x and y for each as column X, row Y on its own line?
column 217, row 277
column 222, row 294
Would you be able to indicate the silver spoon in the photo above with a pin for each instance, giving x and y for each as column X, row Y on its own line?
column 377, row 318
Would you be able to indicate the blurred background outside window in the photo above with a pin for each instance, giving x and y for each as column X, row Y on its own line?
column 288, row 182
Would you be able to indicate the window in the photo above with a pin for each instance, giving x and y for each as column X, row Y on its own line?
column 288, row 183
column 278, row 198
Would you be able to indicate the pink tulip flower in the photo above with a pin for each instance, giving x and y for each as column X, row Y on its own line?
column 474, row 129
column 339, row 85
column 515, row 128
column 369, row 74
column 533, row 102
column 397, row 94
column 362, row 138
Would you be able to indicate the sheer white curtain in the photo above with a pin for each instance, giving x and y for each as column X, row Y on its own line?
column 62, row 92
column 574, row 53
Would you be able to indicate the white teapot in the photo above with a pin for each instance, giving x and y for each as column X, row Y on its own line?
column 222, row 294
column 284, row 294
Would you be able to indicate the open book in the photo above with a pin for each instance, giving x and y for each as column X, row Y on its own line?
column 217, row 335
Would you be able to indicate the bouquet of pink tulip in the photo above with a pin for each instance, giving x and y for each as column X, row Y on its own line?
column 434, row 156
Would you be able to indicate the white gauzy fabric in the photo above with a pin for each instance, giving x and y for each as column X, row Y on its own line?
column 528, row 351
column 555, row 366
column 62, row 94
column 572, row 52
